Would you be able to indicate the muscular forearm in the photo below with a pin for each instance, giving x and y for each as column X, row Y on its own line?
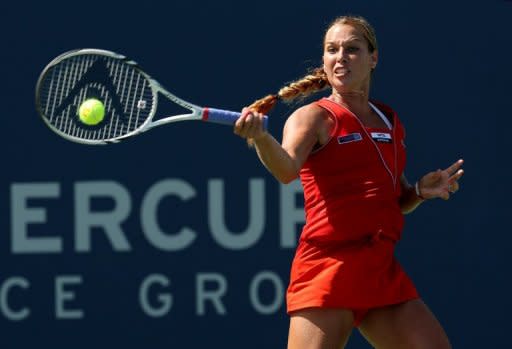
column 275, row 158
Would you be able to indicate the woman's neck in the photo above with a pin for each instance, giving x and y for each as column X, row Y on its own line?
column 352, row 100
column 357, row 103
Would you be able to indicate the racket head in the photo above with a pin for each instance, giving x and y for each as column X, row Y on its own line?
column 128, row 94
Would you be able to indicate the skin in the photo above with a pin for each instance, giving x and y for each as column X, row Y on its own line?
column 348, row 64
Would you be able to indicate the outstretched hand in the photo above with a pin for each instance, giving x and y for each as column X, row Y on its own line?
column 441, row 183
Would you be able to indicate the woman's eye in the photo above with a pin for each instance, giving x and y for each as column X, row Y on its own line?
column 352, row 49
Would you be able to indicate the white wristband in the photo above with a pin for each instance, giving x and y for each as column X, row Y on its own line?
column 417, row 189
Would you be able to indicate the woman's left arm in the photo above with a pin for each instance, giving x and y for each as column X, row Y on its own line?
column 409, row 200
column 437, row 184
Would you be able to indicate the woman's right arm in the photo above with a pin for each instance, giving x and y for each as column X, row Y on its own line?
column 301, row 132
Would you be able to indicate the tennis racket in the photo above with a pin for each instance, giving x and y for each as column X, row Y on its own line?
column 129, row 96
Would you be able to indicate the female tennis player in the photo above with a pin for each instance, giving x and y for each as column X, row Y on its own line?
column 349, row 153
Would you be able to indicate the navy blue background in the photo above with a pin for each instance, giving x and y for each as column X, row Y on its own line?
column 444, row 67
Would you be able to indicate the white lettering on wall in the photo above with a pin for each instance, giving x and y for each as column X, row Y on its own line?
column 149, row 220
column 291, row 214
column 217, row 213
column 7, row 311
column 165, row 300
column 110, row 222
column 22, row 216
column 205, row 292
column 277, row 284
column 91, row 224
column 63, row 296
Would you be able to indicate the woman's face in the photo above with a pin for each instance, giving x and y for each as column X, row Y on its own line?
column 347, row 60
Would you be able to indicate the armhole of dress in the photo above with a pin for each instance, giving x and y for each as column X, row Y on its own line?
column 382, row 116
column 332, row 115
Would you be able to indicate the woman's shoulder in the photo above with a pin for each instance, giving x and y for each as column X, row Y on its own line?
column 313, row 108
column 309, row 115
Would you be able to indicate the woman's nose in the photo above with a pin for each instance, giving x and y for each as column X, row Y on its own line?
column 341, row 56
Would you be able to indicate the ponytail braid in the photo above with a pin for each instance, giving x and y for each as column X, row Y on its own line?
column 311, row 83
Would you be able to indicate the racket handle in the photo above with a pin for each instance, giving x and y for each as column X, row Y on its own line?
column 225, row 117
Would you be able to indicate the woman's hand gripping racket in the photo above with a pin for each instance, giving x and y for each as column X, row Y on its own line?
column 95, row 96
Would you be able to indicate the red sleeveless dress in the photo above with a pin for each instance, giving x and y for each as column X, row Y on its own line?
column 345, row 257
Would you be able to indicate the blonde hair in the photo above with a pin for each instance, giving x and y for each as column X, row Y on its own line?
column 316, row 80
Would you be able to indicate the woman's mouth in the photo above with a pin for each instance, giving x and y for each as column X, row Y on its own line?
column 341, row 71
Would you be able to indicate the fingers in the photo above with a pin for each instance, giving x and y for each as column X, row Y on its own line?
column 249, row 124
column 454, row 173
column 456, row 176
column 443, row 183
column 453, row 184
column 454, row 167
column 453, row 187
column 449, row 191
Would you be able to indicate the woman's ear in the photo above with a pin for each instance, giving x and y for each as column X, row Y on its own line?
column 374, row 58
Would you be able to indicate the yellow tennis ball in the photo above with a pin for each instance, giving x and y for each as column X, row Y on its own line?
column 91, row 111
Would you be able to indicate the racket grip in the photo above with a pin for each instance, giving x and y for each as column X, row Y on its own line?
column 225, row 117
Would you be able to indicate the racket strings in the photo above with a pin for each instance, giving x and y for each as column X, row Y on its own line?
column 130, row 107
column 125, row 92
